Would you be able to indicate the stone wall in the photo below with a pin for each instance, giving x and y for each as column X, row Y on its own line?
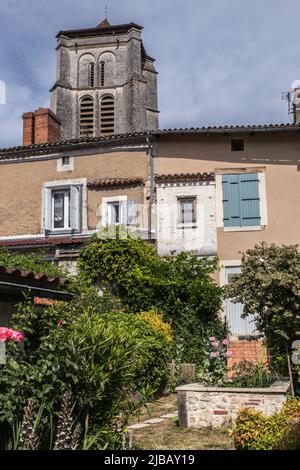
column 216, row 407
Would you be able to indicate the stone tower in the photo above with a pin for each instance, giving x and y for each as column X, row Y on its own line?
column 106, row 82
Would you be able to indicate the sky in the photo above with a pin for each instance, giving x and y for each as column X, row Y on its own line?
column 220, row 62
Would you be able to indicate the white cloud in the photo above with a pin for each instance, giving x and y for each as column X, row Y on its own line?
column 219, row 62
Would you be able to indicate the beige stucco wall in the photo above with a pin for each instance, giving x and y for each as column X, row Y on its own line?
column 278, row 154
column 21, row 186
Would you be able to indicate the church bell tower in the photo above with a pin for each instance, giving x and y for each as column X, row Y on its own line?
column 106, row 82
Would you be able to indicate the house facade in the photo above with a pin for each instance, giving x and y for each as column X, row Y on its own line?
column 88, row 165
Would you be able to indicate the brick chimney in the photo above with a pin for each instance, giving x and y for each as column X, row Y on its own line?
column 40, row 126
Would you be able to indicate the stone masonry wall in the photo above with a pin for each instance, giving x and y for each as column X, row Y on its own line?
column 216, row 407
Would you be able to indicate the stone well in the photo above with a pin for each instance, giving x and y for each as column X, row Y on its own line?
column 216, row 407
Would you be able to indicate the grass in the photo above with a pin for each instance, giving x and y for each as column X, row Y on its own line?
column 159, row 407
column 169, row 436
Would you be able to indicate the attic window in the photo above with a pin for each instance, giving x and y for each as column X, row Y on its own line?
column 237, row 145
column 65, row 161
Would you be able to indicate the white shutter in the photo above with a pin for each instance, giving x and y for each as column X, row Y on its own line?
column 76, row 207
column 132, row 212
column 47, row 209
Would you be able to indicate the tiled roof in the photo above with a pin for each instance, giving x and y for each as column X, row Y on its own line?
column 31, row 276
column 43, row 241
column 101, row 30
column 186, row 177
column 51, row 146
column 131, row 137
column 109, row 182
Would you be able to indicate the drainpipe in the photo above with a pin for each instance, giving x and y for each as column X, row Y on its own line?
column 152, row 186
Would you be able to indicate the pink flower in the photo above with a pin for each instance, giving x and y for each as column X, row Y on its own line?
column 215, row 344
column 225, row 342
column 214, row 355
column 17, row 336
column 212, row 338
column 7, row 333
column 229, row 354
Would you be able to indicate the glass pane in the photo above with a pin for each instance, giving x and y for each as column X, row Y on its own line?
column 58, row 210
column 186, row 211
column 115, row 211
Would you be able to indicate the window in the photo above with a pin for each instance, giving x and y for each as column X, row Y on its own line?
column 237, row 145
column 60, row 209
column 102, row 73
column 187, row 210
column 107, row 124
column 65, row 161
column 114, row 212
column 87, row 117
column 241, row 200
column 63, row 209
column 119, row 211
column 92, row 74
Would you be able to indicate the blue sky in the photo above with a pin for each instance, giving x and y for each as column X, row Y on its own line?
column 220, row 62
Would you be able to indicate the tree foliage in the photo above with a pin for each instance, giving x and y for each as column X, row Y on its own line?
column 269, row 287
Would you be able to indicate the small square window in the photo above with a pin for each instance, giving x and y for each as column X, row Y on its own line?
column 65, row 161
column 237, row 145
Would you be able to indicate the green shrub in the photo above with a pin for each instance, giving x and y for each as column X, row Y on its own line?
column 30, row 263
column 281, row 431
column 179, row 286
column 111, row 362
column 157, row 322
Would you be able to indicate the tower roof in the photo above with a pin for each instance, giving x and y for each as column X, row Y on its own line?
column 103, row 29
column 104, row 24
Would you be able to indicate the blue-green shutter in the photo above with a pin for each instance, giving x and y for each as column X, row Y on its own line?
column 250, row 204
column 231, row 200
column 241, row 204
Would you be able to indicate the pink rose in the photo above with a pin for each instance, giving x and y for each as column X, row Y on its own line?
column 225, row 342
column 7, row 333
column 229, row 354
column 212, row 338
column 215, row 344
column 214, row 355
column 17, row 336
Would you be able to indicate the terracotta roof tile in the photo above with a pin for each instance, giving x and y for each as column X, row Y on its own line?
column 186, row 177
column 40, row 277
column 109, row 182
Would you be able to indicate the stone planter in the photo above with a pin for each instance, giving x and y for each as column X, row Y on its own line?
column 216, row 407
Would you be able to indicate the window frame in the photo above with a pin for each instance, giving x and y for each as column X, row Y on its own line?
column 181, row 223
column 77, row 206
column 66, row 216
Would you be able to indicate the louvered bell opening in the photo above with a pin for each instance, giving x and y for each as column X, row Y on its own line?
column 102, row 74
column 107, row 115
column 87, row 118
